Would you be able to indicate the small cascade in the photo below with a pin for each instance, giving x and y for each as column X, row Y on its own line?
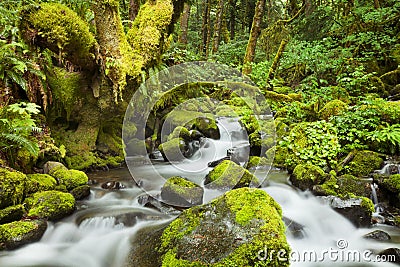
column 378, row 208
column 390, row 168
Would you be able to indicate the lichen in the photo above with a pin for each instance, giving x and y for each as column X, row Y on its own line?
column 52, row 205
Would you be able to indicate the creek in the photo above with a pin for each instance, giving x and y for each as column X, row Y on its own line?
column 100, row 233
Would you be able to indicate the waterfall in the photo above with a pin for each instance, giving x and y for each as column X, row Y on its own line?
column 378, row 208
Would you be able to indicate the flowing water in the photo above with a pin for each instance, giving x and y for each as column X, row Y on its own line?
column 100, row 232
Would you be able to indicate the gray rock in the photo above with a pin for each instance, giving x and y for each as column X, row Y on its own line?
column 378, row 235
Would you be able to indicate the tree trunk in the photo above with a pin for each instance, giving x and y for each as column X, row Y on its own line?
column 205, row 27
column 232, row 18
column 254, row 34
column 377, row 4
column 275, row 63
column 184, row 25
column 134, row 6
column 218, row 26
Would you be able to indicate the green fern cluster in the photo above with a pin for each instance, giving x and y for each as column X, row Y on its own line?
column 16, row 127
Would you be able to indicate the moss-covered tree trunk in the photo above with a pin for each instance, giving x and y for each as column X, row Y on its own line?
column 184, row 25
column 218, row 26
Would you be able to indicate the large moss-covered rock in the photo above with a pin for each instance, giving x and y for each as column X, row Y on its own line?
column 39, row 182
column 229, row 231
column 305, row 176
column 258, row 162
column 344, row 186
column 228, row 175
column 179, row 191
column 52, row 205
column 332, row 108
column 12, row 186
column 173, row 150
column 69, row 178
column 180, row 132
column 207, row 126
column 12, row 213
column 364, row 163
column 19, row 233
column 391, row 186
column 80, row 192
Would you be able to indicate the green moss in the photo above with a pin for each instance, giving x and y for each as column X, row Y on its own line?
column 351, row 184
column 305, row 176
column 368, row 205
column 180, row 132
column 60, row 29
column 364, row 163
column 10, row 214
column 15, row 230
column 332, row 108
column 207, row 126
column 255, row 161
column 180, row 182
column 52, row 205
column 256, row 140
column 69, row 178
column 39, row 182
column 12, row 187
column 329, row 187
column 392, row 183
column 172, row 150
column 228, row 174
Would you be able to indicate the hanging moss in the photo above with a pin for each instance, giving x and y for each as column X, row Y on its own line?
column 57, row 27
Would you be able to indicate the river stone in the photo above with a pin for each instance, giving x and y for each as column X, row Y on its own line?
column 50, row 165
column 357, row 210
column 305, row 176
column 173, row 150
column 228, row 175
column 80, row 192
column 179, row 191
column 208, row 127
column 156, row 204
column 69, row 178
column 378, row 235
column 294, row 228
column 19, row 233
column 229, row 231
column 12, row 213
column 52, row 205
column 39, row 182
column 391, row 254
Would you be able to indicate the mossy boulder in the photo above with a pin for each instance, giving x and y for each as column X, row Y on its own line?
column 332, row 108
column 260, row 141
column 178, row 191
column 19, row 233
column 180, row 132
column 228, row 175
column 258, row 162
column 364, row 163
column 12, row 187
column 52, row 205
column 305, row 176
column 50, row 165
column 12, row 213
column 344, row 186
column 136, row 147
column 229, row 231
column 39, row 182
column 173, row 150
column 80, row 192
column 391, row 186
column 69, row 178
column 207, row 126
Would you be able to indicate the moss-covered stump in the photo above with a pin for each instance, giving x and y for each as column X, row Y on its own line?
column 179, row 191
column 229, row 231
column 358, row 210
column 12, row 213
column 258, row 162
column 39, row 182
column 52, row 205
column 228, row 175
column 69, row 178
column 364, row 163
column 80, row 192
column 19, row 233
column 305, row 176
column 208, row 127
column 173, row 150
column 391, row 186
column 12, row 186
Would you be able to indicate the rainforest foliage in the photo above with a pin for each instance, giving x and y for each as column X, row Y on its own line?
column 328, row 69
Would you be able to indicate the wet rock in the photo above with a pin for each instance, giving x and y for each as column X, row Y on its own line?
column 156, row 204
column 50, row 165
column 52, row 205
column 391, row 255
column 80, row 192
column 229, row 231
column 218, row 161
column 180, row 132
column 256, row 162
column 173, row 150
column 10, row 214
column 378, row 235
column 239, row 153
column 112, row 185
column 207, row 126
column 228, row 175
column 357, row 210
column 178, row 191
column 19, row 233
column 293, row 228
column 305, row 176
column 195, row 135
column 391, row 189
